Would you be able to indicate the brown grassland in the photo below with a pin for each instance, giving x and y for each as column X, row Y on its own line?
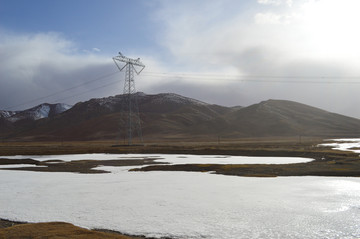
column 327, row 162
column 58, row 230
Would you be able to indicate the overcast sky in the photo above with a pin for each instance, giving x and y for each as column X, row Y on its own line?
column 225, row 52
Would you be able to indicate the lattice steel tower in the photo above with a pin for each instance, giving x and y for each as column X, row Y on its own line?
column 130, row 106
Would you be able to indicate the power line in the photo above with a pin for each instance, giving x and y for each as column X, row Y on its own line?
column 84, row 92
column 251, row 76
column 63, row 91
column 207, row 77
column 259, row 78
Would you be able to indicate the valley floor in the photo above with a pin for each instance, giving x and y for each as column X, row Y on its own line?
column 327, row 162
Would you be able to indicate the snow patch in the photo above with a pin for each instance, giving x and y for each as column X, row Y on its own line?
column 6, row 114
column 61, row 107
column 41, row 111
column 178, row 99
column 17, row 165
column 170, row 158
column 10, row 166
column 35, row 113
column 220, row 159
column 352, row 145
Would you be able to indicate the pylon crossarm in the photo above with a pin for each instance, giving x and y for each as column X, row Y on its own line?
column 118, row 66
column 138, row 72
column 129, row 60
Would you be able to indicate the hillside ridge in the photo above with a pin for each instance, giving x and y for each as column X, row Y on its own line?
column 171, row 116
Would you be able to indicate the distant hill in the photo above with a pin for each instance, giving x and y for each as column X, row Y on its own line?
column 288, row 118
column 38, row 112
column 172, row 116
column 13, row 122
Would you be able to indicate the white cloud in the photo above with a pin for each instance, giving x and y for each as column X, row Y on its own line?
column 266, row 2
column 276, row 40
column 205, row 41
column 271, row 18
column 36, row 65
column 33, row 66
column 263, row 40
column 275, row 2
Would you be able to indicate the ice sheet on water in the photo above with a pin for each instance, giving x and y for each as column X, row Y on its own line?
column 19, row 165
column 352, row 145
column 171, row 158
column 345, row 140
column 187, row 205
column 221, row 159
column 68, row 157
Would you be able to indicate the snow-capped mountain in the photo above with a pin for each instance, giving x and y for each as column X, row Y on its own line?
column 6, row 113
column 38, row 112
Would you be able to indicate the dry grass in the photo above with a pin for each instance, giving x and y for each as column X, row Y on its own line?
column 55, row 230
column 201, row 146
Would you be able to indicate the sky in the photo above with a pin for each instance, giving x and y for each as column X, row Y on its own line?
column 224, row 52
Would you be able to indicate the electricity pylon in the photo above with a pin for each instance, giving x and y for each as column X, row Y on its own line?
column 130, row 105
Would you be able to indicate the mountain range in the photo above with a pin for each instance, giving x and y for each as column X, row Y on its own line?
column 38, row 112
column 170, row 116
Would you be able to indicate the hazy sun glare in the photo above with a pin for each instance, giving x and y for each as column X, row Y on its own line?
column 331, row 27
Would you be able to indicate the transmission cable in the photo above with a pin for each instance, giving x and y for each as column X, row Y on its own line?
column 201, row 76
column 63, row 91
column 84, row 92
column 256, row 78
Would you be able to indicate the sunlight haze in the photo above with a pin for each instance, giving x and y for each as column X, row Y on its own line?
column 222, row 52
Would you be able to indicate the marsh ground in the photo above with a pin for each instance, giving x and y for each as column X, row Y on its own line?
column 327, row 162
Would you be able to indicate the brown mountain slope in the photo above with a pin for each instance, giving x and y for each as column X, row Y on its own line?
column 287, row 118
column 162, row 115
column 171, row 116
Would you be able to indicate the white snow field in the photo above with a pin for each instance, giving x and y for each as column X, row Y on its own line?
column 344, row 144
column 19, row 166
column 183, row 204
column 171, row 158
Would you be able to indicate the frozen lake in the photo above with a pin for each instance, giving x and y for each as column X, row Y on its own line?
column 171, row 158
column 183, row 204
column 344, row 144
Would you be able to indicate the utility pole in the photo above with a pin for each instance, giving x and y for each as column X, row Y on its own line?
column 130, row 105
